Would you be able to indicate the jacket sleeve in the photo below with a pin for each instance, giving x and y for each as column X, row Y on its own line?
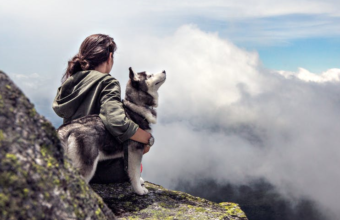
column 112, row 112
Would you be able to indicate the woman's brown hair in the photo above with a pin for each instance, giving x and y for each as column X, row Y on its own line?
column 94, row 50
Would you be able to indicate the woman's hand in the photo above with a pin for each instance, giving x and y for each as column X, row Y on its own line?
column 142, row 137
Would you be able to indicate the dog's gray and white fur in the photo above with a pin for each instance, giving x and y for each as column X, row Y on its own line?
column 86, row 141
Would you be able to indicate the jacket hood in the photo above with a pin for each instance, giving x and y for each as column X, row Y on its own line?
column 74, row 90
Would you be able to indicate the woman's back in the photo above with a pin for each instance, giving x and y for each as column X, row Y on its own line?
column 93, row 92
column 89, row 89
column 79, row 95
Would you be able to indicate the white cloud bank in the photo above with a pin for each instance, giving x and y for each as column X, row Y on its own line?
column 261, row 21
column 222, row 115
column 303, row 74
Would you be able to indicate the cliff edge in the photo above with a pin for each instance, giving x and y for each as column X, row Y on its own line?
column 38, row 182
column 161, row 203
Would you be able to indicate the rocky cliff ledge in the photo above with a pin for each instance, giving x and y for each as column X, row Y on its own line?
column 161, row 203
column 37, row 182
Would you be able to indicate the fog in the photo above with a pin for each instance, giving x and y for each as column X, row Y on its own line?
column 223, row 116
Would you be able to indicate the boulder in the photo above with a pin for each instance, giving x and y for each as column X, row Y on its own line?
column 36, row 181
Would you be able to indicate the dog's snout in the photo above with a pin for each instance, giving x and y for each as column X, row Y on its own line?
column 164, row 72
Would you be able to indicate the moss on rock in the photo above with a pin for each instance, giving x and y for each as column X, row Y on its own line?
column 162, row 203
column 34, row 183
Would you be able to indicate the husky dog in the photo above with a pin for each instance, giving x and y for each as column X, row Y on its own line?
column 86, row 140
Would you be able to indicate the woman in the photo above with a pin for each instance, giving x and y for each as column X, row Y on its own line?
column 88, row 88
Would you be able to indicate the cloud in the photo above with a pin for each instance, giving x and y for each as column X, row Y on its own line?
column 223, row 116
column 215, row 8
column 266, row 21
column 331, row 75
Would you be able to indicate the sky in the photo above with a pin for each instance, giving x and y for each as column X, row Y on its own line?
column 252, row 87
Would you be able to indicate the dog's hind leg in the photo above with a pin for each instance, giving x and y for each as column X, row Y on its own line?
column 84, row 154
column 90, row 170
column 135, row 154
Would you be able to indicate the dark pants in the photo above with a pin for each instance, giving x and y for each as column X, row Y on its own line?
column 110, row 171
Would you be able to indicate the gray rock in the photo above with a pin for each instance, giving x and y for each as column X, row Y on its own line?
column 161, row 203
column 36, row 182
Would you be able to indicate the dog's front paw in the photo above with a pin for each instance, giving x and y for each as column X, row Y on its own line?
column 145, row 189
column 141, row 191
column 141, row 181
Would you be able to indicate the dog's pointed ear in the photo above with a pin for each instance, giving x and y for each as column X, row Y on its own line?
column 134, row 80
column 132, row 75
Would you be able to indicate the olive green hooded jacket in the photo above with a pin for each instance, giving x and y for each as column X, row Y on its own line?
column 92, row 92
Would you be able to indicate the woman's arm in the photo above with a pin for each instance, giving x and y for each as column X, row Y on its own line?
column 112, row 112
column 141, row 136
column 114, row 118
